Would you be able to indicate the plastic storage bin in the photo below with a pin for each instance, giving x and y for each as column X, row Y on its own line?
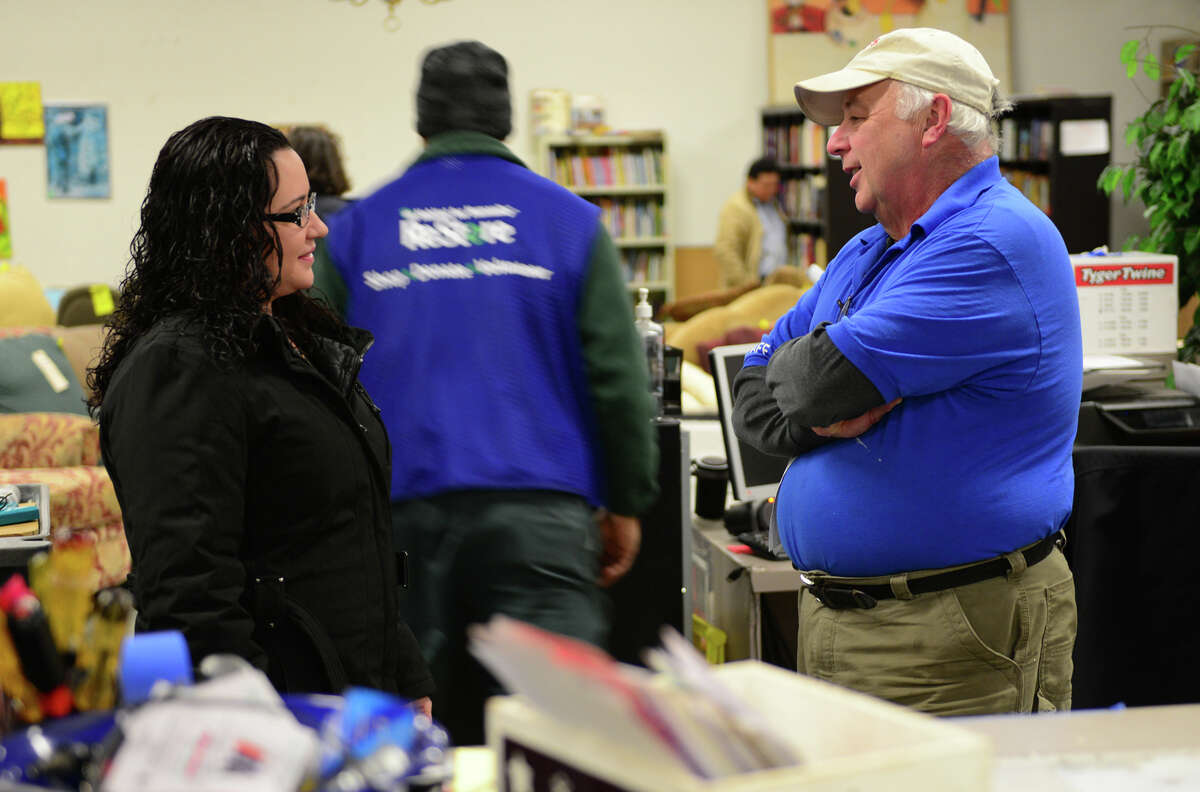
column 851, row 742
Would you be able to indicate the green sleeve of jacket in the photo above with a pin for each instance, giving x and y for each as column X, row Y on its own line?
column 328, row 285
column 620, row 386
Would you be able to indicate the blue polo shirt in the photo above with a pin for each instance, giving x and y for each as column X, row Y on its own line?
column 973, row 319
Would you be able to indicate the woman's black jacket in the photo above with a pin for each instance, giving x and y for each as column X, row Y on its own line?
column 255, row 502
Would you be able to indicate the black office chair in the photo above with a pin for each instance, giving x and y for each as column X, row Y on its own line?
column 1133, row 542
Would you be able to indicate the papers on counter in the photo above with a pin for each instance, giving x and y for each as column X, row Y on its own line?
column 1100, row 370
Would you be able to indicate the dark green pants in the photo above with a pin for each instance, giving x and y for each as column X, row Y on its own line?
column 531, row 555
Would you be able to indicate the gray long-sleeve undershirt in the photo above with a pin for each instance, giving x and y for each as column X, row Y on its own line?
column 807, row 383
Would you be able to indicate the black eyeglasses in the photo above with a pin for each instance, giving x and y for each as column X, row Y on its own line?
column 300, row 216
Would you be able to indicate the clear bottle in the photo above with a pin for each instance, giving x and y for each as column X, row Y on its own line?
column 652, row 338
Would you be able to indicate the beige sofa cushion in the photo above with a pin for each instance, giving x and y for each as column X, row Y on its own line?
column 48, row 439
column 81, row 344
column 22, row 301
column 757, row 309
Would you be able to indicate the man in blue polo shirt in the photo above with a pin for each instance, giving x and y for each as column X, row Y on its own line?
column 928, row 389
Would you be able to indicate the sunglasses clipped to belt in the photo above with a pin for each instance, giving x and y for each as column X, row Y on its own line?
column 840, row 593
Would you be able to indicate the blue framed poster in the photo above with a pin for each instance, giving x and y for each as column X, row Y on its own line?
column 77, row 151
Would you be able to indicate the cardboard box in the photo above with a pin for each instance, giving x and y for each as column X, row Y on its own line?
column 850, row 741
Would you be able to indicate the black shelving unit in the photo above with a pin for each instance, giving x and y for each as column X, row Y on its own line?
column 1067, row 183
column 834, row 220
column 1064, row 185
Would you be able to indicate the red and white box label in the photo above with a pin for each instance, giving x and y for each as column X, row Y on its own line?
column 1128, row 303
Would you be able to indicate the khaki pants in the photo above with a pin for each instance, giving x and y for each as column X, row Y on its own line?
column 1000, row 645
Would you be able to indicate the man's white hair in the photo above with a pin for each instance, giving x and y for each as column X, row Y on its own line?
column 971, row 126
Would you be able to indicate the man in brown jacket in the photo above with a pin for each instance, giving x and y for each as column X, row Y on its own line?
column 752, row 232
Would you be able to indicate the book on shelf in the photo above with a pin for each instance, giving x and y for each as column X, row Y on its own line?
column 587, row 114
column 1043, row 138
column 1026, row 139
column 799, row 143
column 27, row 528
column 631, row 218
column 606, row 167
column 625, row 175
column 808, row 249
column 1034, row 186
column 1008, row 139
column 802, row 198
column 19, row 513
column 641, row 265
column 550, row 112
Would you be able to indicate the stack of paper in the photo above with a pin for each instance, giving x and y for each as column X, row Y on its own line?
column 684, row 709
column 1099, row 370
column 1187, row 377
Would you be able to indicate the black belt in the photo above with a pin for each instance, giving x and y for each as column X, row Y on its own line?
column 841, row 593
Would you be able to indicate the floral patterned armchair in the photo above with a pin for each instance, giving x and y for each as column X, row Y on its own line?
column 62, row 450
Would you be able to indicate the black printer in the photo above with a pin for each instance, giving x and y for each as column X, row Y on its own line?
column 1136, row 414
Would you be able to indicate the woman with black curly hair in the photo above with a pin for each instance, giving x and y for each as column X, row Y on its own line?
column 251, row 467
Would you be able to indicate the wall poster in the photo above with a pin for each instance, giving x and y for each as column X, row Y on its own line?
column 77, row 151
column 21, row 112
column 810, row 37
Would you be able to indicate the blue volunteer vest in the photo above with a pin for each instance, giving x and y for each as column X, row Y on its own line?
column 468, row 269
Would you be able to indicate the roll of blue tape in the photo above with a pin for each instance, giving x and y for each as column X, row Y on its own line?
column 148, row 658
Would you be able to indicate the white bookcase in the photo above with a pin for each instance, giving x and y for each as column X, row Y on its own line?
column 627, row 176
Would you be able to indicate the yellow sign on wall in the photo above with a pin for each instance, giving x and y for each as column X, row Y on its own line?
column 21, row 112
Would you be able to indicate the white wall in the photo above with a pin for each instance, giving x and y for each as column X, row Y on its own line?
column 1073, row 45
column 695, row 68
column 692, row 67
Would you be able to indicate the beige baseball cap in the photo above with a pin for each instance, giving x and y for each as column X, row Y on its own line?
column 926, row 57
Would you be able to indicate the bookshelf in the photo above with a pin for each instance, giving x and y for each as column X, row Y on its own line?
column 627, row 176
column 1053, row 149
column 814, row 191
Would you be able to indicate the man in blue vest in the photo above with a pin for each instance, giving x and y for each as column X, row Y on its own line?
column 509, row 374
column 928, row 389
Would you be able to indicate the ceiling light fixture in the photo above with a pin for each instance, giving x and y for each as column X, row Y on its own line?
column 391, row 22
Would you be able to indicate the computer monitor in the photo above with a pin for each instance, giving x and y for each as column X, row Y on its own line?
column 753, row 474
